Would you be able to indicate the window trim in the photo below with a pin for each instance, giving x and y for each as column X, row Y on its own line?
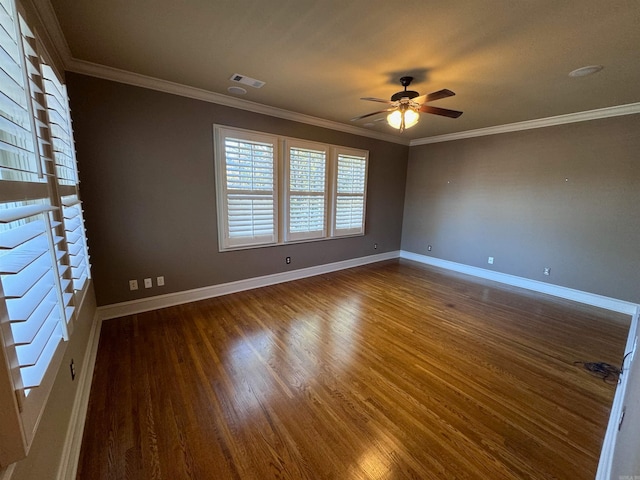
column 224, row 241
column 335, row 232
column 281, row 173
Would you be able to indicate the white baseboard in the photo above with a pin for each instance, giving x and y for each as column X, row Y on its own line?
column 73, row 441
column 534, row 285
column 162, row 301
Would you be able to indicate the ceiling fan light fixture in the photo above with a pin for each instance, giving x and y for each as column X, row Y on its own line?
column 402, row 119
column 411, row 117
column 405, row 106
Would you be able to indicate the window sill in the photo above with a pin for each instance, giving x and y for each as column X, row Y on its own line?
column 291, row 242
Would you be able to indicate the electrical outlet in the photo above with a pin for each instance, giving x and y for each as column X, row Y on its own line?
column 160, row 281
column 288, row 260
column 375, row 246
column 148, row 283
column 547, row 271
column 133, row 284
column 490, row 261
column 72, row 367
column 428, row 248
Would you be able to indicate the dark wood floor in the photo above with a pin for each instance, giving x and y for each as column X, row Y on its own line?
column 388, row 371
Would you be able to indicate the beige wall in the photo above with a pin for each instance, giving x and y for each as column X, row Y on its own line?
column 147, row 182
column 565, row 197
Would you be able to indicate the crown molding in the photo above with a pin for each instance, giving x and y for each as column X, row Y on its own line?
column 51, row 31
column 629, row 109
column 138, row 80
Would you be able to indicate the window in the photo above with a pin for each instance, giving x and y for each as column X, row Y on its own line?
column 275, row 190
column 39, row 211
column 306, row 191
column 350, row 192
column 248, row 191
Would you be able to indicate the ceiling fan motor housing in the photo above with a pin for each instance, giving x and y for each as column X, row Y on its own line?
column 404, row 94
column 405, row 82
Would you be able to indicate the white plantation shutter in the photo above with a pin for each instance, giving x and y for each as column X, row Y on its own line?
column 248, row 200
column 350, row 194
column 67, row 176
column 37, row 298
column 76, row 244
column 306, row 192
column 322, row 191
column 60, row 127
column 29, row 284
column 43, row 128
column 28, row 242
column 18, row 159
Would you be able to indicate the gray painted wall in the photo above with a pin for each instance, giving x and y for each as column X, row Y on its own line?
column 147, row 182
column 565, row 197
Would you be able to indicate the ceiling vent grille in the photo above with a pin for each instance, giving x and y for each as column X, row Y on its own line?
column 252, row 82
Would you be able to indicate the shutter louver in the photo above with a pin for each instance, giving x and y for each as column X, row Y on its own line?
column 350, row 194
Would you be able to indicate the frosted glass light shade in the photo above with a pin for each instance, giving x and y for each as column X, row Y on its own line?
column 395, row 118
column 410, row 118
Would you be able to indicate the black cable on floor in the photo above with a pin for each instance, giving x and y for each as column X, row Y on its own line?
column 607, row 372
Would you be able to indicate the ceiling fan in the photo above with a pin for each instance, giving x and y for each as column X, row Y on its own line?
column 405, row 106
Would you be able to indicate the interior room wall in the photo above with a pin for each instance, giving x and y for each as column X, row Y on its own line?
column 565, row 197
column 147, row 182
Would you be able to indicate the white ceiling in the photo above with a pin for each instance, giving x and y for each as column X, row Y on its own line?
column 507, row 60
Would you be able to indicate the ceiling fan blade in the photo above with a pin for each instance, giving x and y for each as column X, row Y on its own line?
column 420, row 100
column 371, row 114
column 440, row 111
column 444, row 93
column 373, row 99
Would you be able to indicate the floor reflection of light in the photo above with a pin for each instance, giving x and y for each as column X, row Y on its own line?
column 374, row 465
column 249, row 371
column 288, row 357
column 344, row 326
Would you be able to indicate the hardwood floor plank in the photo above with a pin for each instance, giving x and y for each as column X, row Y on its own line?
column 389, row 371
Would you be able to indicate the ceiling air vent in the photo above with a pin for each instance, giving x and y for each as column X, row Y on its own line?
column 252, row 82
